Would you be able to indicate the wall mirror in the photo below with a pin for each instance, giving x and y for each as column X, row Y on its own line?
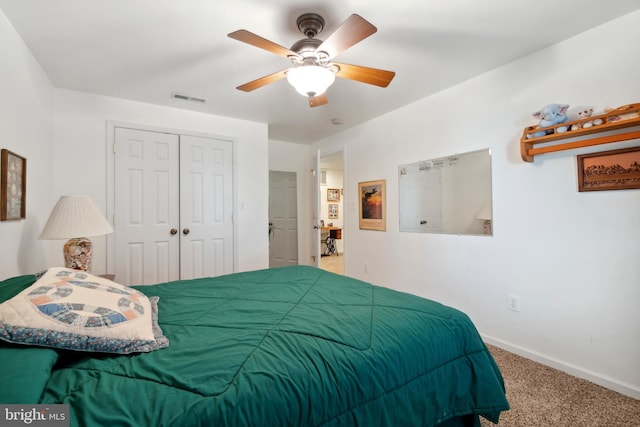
column 447, row 195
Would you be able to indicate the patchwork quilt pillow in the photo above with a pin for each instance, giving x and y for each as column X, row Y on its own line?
column 74, row 310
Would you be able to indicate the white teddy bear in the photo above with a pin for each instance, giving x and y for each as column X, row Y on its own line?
column 585, row 114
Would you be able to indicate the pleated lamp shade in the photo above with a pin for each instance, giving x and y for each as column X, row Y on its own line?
column 485, row 212
column 76, row 218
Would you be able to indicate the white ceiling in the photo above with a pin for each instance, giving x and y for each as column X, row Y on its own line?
column 145, row 50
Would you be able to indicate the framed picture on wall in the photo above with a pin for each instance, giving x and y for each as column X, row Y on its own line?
column 333, row 195
column 373, row 209
column 609, row 170
column 13, row 186
column 333, row 211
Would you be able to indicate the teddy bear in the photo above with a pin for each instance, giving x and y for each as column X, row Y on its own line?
column 585, row 114
column 549, row 115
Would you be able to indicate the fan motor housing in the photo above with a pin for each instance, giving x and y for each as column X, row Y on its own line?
column 305, row 45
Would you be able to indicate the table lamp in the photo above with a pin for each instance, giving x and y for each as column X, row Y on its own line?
column 75, row 218
column 486, row 214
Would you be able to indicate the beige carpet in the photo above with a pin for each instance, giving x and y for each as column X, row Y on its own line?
column 541, row 396
column 333, row 263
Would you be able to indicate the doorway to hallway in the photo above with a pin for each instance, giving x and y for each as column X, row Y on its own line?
column 332, row 212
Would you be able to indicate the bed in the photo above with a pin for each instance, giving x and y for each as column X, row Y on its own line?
column 290, row 346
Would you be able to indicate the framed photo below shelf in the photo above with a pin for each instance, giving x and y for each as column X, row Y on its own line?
column 609, row 170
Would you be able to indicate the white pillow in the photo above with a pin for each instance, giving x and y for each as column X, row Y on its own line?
column 74, row 310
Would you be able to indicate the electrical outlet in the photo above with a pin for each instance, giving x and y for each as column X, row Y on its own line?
column 513, row 302
column 366, row 268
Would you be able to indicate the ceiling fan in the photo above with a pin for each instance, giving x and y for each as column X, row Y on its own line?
column 313, row 71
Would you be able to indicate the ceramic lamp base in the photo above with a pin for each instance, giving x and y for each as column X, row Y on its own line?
column 77, row 254
column 486, row 227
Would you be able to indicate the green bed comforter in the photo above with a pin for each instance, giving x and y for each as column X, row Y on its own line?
column 293, row 346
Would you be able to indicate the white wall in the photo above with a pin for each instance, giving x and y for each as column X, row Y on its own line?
column 288, row 157
column 571, row 257
column 26, row 124
column 80, row 138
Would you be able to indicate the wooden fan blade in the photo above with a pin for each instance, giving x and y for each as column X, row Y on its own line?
column 372, row 76
column 262, row 81
column 353, row 30
column 316, row 101
column 257, row 41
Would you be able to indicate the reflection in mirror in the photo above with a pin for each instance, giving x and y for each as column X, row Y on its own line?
column 447, row 195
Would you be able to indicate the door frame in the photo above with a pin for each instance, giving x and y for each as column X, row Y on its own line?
column 110, row 176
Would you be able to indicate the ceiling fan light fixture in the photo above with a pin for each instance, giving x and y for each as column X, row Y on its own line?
column 310, row 80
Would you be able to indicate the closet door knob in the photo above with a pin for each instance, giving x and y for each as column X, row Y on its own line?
column 174, row 231
column 185, row 231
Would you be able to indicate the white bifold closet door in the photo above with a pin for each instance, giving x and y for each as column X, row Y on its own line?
column 173, row 207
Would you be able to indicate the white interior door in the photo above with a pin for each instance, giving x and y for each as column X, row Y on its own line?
column 206, row 207
column 146, row 207
column 283, row 219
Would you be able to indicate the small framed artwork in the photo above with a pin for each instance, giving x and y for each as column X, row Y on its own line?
column 333, row 211
column 13, row 186
column 609, row 170
column 373, row 210
column 333, row 195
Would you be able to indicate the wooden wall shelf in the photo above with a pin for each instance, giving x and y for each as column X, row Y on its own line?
column 620, row 118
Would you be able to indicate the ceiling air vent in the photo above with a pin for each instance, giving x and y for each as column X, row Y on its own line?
column 188, row 98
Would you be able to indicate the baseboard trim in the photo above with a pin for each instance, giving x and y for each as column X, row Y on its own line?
column 610, row 383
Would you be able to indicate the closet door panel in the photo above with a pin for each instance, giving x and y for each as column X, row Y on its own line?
column 146, row 207
column 206, row 207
